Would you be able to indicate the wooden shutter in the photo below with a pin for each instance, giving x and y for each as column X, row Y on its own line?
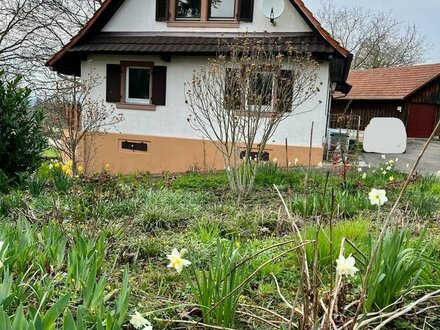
column 113, row 92
column 232, row 97
column 158, row 96
column 286, row 99
column 72, row 116
column 161, row 10
column 246, row 10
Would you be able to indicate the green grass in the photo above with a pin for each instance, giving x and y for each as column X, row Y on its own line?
column 102, row 224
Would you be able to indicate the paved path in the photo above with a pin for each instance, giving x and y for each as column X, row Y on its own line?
column 430, row 162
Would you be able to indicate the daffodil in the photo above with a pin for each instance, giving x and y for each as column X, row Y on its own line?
column 384, row 172
column 296, row 160
column 176, row 260
column 377, row 197
column 275, row 160
column 359, row 169
column 139, row 322
column 438, row 174
column 364, row 176
column 391, row 178
column 80, row 168
column 383, row 156
column 388, row 168
column 345, row 266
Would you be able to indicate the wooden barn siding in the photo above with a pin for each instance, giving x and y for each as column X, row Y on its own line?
column 368, row 109
column 430, row 94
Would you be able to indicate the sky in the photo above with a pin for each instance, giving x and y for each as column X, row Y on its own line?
column 425, row 14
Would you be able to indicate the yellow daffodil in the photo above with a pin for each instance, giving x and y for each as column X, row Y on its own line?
column 176, row 260
column 377, row 197
column 391, row 178
column 80, row 168
column 345, row 266
column 139, row 322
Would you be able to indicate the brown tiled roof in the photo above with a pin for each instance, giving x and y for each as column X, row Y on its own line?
column 175, row 42
column 67, row 62
column 390, row 83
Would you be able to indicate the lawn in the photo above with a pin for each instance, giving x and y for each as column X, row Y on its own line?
column 90, row 252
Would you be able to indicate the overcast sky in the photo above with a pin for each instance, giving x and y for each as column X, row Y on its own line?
column 425, row 14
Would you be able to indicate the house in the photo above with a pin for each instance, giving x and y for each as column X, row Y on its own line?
column 147, row 49
column 411, row 94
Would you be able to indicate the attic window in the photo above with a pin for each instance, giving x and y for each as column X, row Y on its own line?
column 222, row 9
column 204, row 13
column 188, row 9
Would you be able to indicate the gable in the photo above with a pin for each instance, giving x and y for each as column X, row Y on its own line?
column 116, row 16
column 128, row 19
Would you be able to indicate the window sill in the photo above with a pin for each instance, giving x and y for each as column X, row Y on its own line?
column 206, row 24
column 132, row 106
column 262, row 114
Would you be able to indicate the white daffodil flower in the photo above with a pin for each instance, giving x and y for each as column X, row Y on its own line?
column 139, row 322
column 377, row 197
column 345, row 266
column 176, row 260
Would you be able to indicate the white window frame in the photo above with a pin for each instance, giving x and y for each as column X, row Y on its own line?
column 127, row 85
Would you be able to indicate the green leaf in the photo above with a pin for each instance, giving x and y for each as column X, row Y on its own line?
column 20, row 321
column 54, row 312
column 4, row 321
column 68, row 322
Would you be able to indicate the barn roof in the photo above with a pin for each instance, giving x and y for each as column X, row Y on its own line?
column 390, row 83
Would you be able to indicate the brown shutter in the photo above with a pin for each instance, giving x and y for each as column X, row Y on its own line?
column 285, row 85
column 159, row 85
column 113, row 93
column 161, row 10
column 246, row 10
column 232, row 97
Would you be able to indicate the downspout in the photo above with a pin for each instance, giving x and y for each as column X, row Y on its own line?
column 331, row 90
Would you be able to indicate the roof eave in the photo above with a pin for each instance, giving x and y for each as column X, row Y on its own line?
column 97, row 22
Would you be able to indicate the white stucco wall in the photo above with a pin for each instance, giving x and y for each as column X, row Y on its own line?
column 139, row 16
column 171, row 120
